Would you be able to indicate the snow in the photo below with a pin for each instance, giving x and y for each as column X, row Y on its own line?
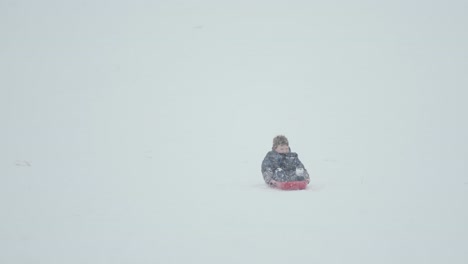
column 133, row 131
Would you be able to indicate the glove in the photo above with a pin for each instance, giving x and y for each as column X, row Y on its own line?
column 300, row 171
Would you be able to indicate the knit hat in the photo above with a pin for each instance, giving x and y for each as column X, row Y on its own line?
column 280, row 140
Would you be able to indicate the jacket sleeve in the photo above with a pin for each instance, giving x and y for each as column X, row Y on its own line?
column 300, row 165
column 271, row 161
column 298, row 162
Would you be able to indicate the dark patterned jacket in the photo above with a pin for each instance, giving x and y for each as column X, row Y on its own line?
column 283, row 167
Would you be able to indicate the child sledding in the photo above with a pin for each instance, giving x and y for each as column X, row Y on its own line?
column 282, row 168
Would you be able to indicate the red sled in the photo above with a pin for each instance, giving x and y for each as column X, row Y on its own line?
column 294, row 185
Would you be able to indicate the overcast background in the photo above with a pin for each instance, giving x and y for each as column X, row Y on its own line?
column 133, row 131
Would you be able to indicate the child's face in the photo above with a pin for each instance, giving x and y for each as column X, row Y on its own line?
column 282, row 149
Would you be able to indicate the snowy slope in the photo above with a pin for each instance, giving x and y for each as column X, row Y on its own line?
column 134, row 132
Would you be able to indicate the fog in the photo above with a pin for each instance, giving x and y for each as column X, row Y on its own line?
column 134, row 131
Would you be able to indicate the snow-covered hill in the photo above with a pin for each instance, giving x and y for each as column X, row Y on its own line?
column 133, row 132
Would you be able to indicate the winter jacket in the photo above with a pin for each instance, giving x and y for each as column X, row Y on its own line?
column 283, row 167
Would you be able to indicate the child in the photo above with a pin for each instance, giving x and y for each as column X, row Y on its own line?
column 282, row 165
